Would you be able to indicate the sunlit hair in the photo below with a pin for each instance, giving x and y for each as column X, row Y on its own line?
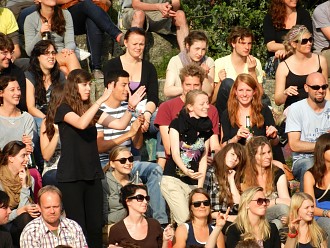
column 51, row 189
column 294, row 35
column 4, row 199
column 222, row 170
column 191, row 98
column 238, row 33
column 56, row 97
column 58, row 20
column 129, row 190
column 256, row 117
column 243, row 222
column 134, row 30
column 194, row 36
column 192, row 70
column 250, row 172
column 40, row 92
column 316, row 234
column 319, row 168
column 4, row 82
column 6, row 43
column 277, row 11
column 190, row 201
column 71, row 92
column 114, row 153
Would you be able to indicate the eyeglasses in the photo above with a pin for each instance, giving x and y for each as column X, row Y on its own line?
column 260, row 201
column 317, row 87
column 49, row 53
column 6, row 53
column 305, row 40
column 197, row 204
column 140, row 198
column 123, row 160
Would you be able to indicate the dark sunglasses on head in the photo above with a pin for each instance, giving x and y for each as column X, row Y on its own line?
column 305, row 40
column 197, row 204
column 260, row 201
column 317, row 87
column 123, row 160
column 140, row 198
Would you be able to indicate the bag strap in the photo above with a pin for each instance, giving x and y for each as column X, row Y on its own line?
column 326, row 191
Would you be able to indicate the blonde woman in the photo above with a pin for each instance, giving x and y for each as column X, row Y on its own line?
column 303, row 229
column 251, row 223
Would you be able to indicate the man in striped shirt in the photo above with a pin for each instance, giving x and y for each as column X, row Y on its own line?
column 51, row 228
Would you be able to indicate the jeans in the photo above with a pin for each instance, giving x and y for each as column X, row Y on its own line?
column 324, row 223
column 299, row 167
column 90, row 19
column 223, row 94
column 151, row 175
column 275, row 213
column 49, row 178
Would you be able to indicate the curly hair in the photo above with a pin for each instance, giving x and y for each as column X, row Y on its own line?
column 277, row 11
column 40, row 92
column 222, row 170
column 58, row 21
column 238, row 33
column 318, row 170
column 294, row 35
column 256, row 117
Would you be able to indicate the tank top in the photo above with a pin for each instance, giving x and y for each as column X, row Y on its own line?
column 191, row 240
column 297, row 80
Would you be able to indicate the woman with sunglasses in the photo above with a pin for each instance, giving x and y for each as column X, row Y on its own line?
column 49, row 21
column 16, row 181
column 198, row 231
column 251, row 222
column 222, row 180
column 189, row 142
column 317, row 183
column 135, row 228
column 262, row 171
column 117, row 174
column 291, row 74
column 141, row 72
column 303, row 229
column 79, row 171
column 42, row 75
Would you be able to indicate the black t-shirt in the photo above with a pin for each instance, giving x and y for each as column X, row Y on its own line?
column 79, row 154
column 5, row 239
column 16, row 72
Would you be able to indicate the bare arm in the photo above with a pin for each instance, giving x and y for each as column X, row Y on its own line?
column 298, row 145
column 280, row 79
column 30, row 100
column 309, row 183
column 214, row 143
column 181, row 236
column 272, row 46
column 203, row 165
column 106, row 145
column 170, row 89
column 48, row 146
column 283, row 192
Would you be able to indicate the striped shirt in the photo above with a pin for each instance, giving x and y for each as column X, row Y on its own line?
column 36, row 234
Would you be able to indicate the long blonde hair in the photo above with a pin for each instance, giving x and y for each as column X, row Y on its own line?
column 315, row 232
column 243, row 222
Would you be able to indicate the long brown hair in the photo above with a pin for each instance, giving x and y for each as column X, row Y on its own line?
column 192, row 193
column 256, row 105
column 58, row 21
column 277, row 11
column 222, row 170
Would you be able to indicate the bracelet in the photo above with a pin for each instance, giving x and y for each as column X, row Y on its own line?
column 134, row 112
column 293, row 235
column 130, row 108
column 325, row 213
column 147, row 111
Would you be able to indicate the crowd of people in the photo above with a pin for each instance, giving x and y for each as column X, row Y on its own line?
column 71, row 169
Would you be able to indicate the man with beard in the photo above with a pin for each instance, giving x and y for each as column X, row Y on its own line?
column 306, row 121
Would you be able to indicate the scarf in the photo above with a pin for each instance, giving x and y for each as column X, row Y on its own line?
column 185, row 59
column 12, row 185
column 190, row 128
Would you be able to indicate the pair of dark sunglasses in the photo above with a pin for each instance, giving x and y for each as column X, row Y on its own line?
column 260, row 201
column 197, row 204
column 305, row 40
column 123, row 160
column 317, row 87
column 140, row 198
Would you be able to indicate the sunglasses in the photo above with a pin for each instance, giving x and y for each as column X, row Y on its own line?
column 305, row 40
column 123, row 160
column 197, row 204
column 317, row 87
column 140, row 198
column 260, row 201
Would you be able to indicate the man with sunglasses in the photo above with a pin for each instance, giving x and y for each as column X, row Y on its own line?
column 132, row 137
column 307, row 119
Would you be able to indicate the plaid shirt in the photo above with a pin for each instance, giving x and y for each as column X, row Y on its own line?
column 36, row 234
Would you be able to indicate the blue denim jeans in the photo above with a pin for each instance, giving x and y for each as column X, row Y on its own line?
column 151, row 175
column 299, row 167
column 90, row 19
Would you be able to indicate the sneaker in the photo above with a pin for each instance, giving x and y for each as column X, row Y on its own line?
column 98, row 74
column 83, row 54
